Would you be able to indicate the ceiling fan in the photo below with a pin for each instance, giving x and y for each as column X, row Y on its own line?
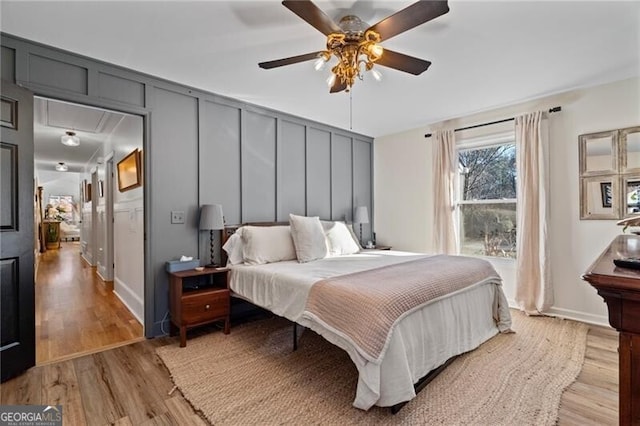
column 357, row 45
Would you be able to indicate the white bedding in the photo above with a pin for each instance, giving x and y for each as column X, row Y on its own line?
column 420, row 342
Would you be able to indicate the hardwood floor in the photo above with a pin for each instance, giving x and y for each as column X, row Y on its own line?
column 129, row 385
column 77, row 312
column 593, row 398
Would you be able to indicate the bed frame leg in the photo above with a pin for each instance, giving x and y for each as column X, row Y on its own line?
column 423, row 382
column 295, row 336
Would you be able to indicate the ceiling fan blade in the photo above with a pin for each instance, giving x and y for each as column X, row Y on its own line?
column 412, row 16
column 403, row 62
column 313, row 15
column 338, row 86
column 288, row 61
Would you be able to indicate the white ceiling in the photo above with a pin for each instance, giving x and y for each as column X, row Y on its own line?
column 51, row 119
column 484, row 54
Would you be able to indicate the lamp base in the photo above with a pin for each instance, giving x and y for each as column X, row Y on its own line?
column 212, row 265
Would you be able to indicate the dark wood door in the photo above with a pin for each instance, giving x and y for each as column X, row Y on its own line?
column 17, row 326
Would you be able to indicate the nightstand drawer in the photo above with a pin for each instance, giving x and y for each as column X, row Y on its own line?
column 204, row 306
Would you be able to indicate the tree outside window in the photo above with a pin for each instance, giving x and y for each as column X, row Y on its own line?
column 487, row 200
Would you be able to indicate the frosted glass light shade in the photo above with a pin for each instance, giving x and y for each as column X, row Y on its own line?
column 70, row 139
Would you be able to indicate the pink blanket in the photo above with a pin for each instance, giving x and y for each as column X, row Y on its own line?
column 364, row 306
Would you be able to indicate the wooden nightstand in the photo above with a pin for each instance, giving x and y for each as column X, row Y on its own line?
column 198, row 298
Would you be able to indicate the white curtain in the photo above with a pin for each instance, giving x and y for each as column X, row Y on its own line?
column 534, row 293
column 445, row 159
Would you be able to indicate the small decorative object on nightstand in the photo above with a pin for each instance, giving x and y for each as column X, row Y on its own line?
column 378, row 247
column 198, row 298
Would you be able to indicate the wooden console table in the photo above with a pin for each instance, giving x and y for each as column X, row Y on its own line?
column 620, row 289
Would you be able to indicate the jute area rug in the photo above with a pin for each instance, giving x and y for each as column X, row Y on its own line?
column 251, row 376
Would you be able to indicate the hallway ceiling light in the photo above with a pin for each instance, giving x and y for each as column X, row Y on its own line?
column 61, row 167
column 70, row 139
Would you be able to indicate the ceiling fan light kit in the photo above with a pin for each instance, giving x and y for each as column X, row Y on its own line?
column 356, row 45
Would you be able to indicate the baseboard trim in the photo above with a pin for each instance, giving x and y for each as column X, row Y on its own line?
column 569, row 314
column 119, row 285
column 601, row 320
column 87, row 261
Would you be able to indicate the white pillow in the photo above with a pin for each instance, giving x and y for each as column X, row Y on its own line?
column 308, row 238
column 267, row 244
column 340, row 238
column 233, row 247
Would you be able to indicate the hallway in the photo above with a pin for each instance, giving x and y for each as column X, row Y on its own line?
column 76, row 312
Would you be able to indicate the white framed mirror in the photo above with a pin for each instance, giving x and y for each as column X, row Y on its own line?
column 630, row 149
column 600, row 195
column 599, row 153
column 610, row 173
column 631, row 194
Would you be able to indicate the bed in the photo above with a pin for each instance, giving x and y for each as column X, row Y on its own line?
column 419, row 340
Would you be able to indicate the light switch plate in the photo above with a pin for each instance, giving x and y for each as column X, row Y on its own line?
column 177, row 217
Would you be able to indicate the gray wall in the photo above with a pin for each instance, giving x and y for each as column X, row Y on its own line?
column 203, row 148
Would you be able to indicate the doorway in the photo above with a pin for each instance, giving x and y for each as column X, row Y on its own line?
column 86, row 301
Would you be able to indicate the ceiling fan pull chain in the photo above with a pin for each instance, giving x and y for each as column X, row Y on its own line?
column 351, row 109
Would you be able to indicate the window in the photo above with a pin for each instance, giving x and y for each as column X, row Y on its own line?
column 487, row 197
column 60, row 207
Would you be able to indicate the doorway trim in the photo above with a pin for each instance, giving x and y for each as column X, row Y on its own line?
column 145, row 114
column 108, row 194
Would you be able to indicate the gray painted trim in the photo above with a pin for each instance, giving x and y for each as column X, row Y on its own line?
column 331, row 176
column 306, row 171
column 243, row 132
column 147, row 170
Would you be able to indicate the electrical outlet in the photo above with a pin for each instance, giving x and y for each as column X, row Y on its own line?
column 177, row 217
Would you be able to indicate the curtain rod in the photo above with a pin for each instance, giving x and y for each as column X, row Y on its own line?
column 554, row 109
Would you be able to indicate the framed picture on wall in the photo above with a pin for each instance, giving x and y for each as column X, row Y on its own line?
column 130, row 171
column 86, row 191
column 605, row 190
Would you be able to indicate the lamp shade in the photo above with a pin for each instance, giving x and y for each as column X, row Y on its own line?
column 211, row 217
column 362, row 215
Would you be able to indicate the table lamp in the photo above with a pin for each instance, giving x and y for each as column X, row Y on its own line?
column 211, row 219
column 361, row 216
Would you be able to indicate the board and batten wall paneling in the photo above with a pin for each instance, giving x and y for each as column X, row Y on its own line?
column 318, row 173
column 174, row 171
column 341, row 178
column 258, row 167
column 220, row 176
column 50, row 72
column 121, row 89
column 220, row 168
column 362, row 187
column 8, row 64
column 199, row 148
column 291, row 170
